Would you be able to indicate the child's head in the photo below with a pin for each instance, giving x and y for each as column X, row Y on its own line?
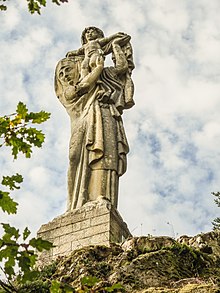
column 99, row 33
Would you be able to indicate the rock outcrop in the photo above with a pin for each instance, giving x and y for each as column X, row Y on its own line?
column 147, row 264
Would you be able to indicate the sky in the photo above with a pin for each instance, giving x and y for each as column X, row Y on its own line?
column 173, row 130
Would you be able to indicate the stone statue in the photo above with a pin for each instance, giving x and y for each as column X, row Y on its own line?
column 93, row 41
column 95, row 97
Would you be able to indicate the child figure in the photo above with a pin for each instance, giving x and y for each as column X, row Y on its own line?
column 93, row 41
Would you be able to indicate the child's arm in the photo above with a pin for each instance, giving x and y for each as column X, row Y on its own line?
column 78, row 52
column 104, row 41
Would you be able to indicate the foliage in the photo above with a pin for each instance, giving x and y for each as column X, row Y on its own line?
column 216, row 221
column 42, row 282
column 6, row 202
column 15, row 249
column 88, row 284
column 33, row 5
column 45, row 282
column 58, row 287
column 15, row 133
column 3, row 6
column 19, row 252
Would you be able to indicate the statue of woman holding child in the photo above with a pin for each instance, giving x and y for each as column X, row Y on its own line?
column 94, row 97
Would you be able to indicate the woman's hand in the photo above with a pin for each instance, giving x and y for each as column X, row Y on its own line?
column 116, row 41
column 122, row 40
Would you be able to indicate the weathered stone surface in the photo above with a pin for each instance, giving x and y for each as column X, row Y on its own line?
column 205, row 242
column 144, row 244
column 147, row 264
column 95, row 97
column 97, row 222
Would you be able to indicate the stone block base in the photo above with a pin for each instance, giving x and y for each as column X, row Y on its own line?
column 97, row 222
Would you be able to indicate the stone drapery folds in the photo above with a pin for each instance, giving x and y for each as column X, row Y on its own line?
column 95, row 104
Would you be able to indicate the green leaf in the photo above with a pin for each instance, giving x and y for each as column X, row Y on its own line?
column 40, row 244
column 89, row 281
column 10, row 262
column 18, row 145
column 216, row 223
column 38, row 117
column 3, row 7
column 26, row 261
column 114, row 287
column 15, row 132
column 26, row 233
column 22, row 110
column 7, row 204
column 11, row 231
column 12, row 180
column 9, row 271
column 8, row 249
column 4, row 125
column 68, row 289
column 29, row 276
column 9, row 253
column 55, row 287
column 217, row 199
column 34, row 136
column 59, row 1
column 42, row 2
column 33, row 6
column 15, row 151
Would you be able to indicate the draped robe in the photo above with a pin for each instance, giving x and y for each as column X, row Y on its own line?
column 98, row 144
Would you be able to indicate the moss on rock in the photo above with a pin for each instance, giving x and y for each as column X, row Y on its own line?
column 143, row 264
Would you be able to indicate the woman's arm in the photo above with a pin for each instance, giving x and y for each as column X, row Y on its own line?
column 119, row 59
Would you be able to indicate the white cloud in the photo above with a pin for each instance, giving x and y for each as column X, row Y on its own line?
column 10, row 20
column 169, row 15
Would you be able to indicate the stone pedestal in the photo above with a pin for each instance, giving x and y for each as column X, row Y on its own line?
column 97, row 222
